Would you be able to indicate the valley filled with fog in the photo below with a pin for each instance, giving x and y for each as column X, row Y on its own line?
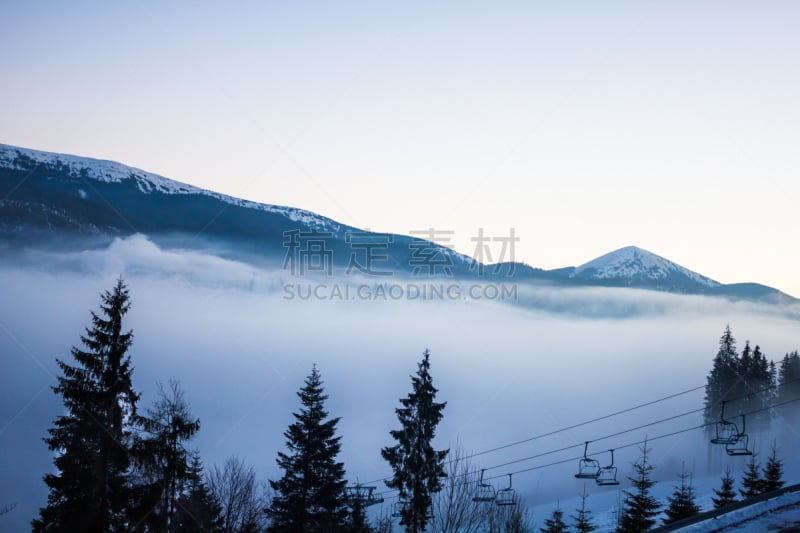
column 508, row 370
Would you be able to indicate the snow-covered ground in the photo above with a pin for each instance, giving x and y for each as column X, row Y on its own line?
column 771, row 515
column 779, row 514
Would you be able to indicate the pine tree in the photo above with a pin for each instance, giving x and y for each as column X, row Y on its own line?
column 91, row 489
column 751, row 481
column 639, row 507
column 582, row 522
column 682, row 502
column 743, row 388
column 789, row 377
column 761, row 380
column 773, row 472
column 310, row 496
column 162, row 459
column 555, row 524
column 418, row 467
column 723, row 379
column 357, row 520
column 197, row 511
column 725, row 494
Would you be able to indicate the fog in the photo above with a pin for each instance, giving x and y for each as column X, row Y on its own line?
column 508, row 370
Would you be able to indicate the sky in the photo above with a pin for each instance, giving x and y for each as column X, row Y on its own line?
column 585, row 126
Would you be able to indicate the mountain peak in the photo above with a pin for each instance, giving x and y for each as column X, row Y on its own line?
column 632, row 263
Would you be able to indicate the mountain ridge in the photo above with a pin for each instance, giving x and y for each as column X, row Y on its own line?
column 114, row 172
column 47, row 195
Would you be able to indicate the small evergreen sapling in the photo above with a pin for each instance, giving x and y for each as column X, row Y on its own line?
column 681, row 503
column 773, row 472
column 752, row 483
column 725, row 494
column 555, row 524
column 639, row 506
column 582, row 521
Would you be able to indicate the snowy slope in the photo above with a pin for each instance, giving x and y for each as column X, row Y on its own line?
column 112, row 172
column 631, row 263
column 779, row 514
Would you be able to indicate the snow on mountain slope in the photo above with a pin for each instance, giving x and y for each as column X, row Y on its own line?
column 147, row 182
column 632, row 262
column 779, row 514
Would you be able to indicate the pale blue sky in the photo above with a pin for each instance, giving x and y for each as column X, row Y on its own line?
column 586, row 126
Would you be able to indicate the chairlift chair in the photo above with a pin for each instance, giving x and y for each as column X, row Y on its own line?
column 507, row 496
column 727, row 432
column 607, row 474
column 398, row 508
column 740, row 447
column 373, row 499
column 364, row 495
column 401, row 506
column 587, row 468
column 484, row 492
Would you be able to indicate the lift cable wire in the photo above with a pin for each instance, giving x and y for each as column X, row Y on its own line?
column 648, row 439
column 611, row 435
column 611, row 415
column 568, row 428
column 598, row 419
column 554, row 432
column 629, row 445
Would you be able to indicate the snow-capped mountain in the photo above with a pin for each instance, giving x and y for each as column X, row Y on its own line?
column 50, row 200
column 632, row 265
column 23, row 159
column 47, row 197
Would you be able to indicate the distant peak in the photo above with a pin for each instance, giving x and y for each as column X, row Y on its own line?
column 632, row 262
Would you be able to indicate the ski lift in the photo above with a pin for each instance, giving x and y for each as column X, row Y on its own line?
column 507, row 496
column 607, row 475
column 399, row 507
column 587, row 468
column 484, row 492
column 365, row 496
column 404, row 506
column 740, row 446
column 727, row 431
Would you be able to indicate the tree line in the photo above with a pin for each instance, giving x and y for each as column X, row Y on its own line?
column 738, row 383
column 748, row 382
column 118, row 468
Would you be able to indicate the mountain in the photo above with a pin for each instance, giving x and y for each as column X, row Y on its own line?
column 66, row 202
column 632, row 266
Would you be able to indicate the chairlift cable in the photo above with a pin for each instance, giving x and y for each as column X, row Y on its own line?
column 605, row 417
column 619, row 447
column 568, row 428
